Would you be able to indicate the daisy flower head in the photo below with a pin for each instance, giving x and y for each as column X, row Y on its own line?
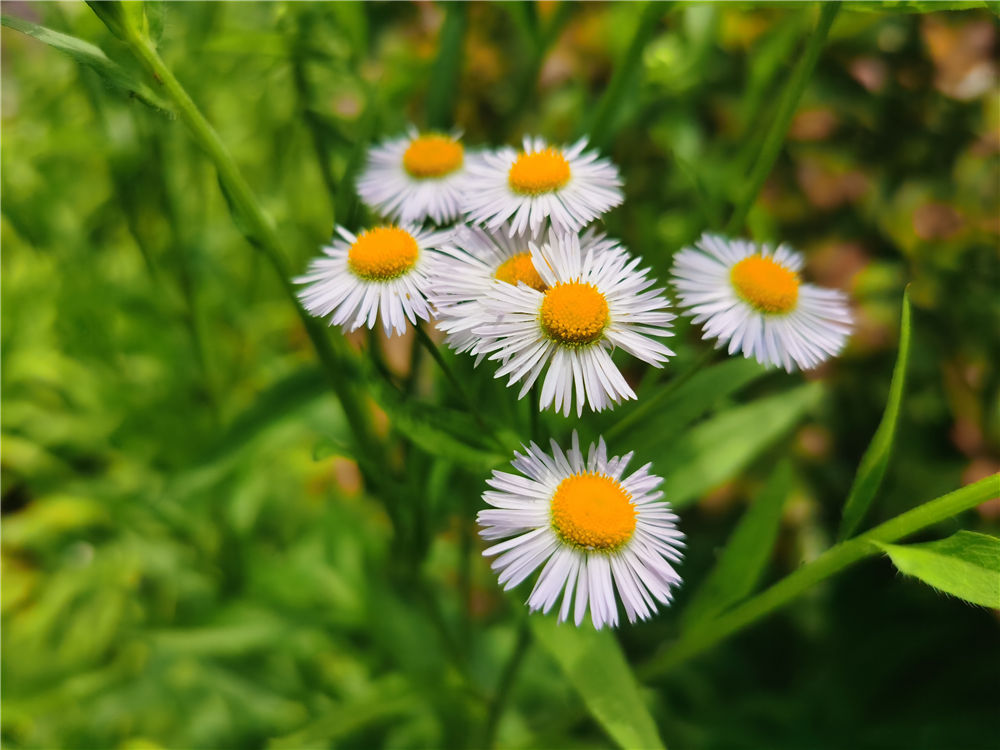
column 594, row 300
column 593, row 529
column 415, row 177
column 566, row 186
column 471, row 262
column 753, row 297
column 379, row 273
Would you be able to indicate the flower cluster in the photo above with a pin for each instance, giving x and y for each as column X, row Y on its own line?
column 512, row 274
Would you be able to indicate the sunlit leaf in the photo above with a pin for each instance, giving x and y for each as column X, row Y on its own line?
column 966, row 565
column 595, row 666
column 876, row 459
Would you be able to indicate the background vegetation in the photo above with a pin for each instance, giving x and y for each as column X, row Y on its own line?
column 191, row 557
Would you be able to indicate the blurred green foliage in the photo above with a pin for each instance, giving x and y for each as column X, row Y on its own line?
column 190, row 558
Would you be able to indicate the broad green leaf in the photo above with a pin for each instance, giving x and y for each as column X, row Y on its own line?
column 739, row 568
column 876, row 459
column 595, row 666
column 93, row 57
column 966, row 565
column 719, row 448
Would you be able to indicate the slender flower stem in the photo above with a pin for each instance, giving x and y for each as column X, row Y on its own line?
column 786, row 109
column 654, row 401
column 506, row 683
column 257, row 226
column 431, row 347
column 830, row 562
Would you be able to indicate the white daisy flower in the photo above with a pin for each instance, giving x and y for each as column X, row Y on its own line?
column 752, row 297
column 566, row 185
column 593, row 301
column 416, row 176
column 471, row 262
column 381, row 272
column 594, row 529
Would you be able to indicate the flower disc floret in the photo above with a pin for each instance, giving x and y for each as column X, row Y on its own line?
column 432, row 155
column 593, row 511
column 383, row 253
column 766, row 285
column 574, row 313
column 519, row 268
column 538, row 172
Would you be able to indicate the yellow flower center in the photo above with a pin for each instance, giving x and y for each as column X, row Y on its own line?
column 538, row 172
column 383, row 253
column 432, row 156
column 520, row 268
column 574, row 313
column 593, row 511
column 765, row 284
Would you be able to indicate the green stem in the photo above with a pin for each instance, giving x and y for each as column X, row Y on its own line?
column 257, row 226
column 610, row 104
column 782, row 119
column 506, row 683
column 830, row 562
column 653, row 402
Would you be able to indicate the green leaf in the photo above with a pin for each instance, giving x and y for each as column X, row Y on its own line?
column 595, row 666
column 913, row 6
column 739, row 568
column 876, row 459
column 93, row 57
column 672, row 408
column 966, row 565
column 445, row 73
column 719, row 448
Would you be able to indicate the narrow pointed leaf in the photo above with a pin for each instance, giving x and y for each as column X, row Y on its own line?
column 876, row 459
column 93, row 57
column 445, row 73
column 966, row 565
column 742, row 561
column 593, row 663
column 719, row 448
column 668, row 408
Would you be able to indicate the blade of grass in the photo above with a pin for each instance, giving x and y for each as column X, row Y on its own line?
column 445, row 72
column 875, row 461
column 786, row 109
column 830, row 562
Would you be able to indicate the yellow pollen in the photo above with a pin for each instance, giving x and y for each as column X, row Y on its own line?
column 765, row 284
column 433, row 156
column 593, row 511
column 538, row 172
column 520, row 268
column 383, row 253
column 574, row 313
